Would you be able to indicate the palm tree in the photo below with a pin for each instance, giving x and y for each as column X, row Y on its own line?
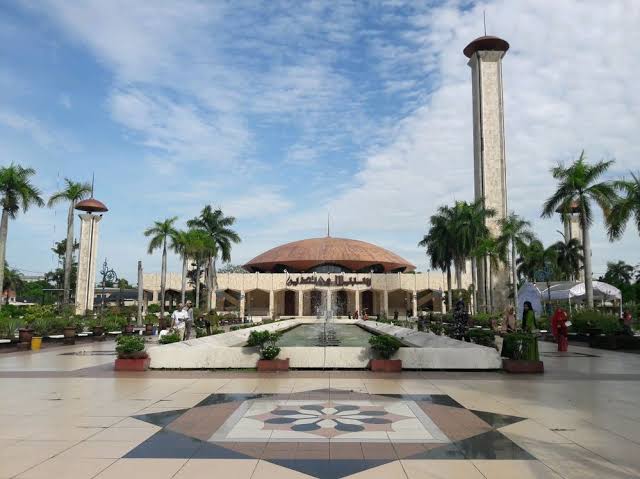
column 218, row 226
column 16, row 192
column 199, row 246
column 619, row 274
column 469, row 229
column 625, row 207
column 179, row 246
column 535, row 258
column 72, row 193
column 438, row 242
column 569, row 257
column 12, row 280
column 514, row 236
column 578, row 187
column 488, row 248
column 160, row 233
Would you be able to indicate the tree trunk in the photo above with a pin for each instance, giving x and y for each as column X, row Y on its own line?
column 588, row 282
column 486, row 286
column 163, row 279
column 197, row 284
column 514, row 274
column 474, row 279
column 214, row 284
column 4, row 229
column 490, row 292
column 68, row 256
column 459, row 274
column 183, row 286
column 207, row 277
column 449, row 294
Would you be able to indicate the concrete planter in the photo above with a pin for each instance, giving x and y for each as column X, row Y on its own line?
column 386, row 365
column 515, row 366
column 265, row 365
column 69, row 335
column 134, row 362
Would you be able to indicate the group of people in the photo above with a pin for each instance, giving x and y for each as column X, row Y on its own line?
column 559, row 324
column 356, row 315
column 182, row 320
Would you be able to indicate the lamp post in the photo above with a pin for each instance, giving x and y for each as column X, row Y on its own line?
column 110, row 275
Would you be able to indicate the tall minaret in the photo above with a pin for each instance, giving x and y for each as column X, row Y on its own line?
column 490, row 169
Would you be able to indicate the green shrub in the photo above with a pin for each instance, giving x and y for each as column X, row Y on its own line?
column 484, row 319
column 588, row 319
column 130, row 347
column 12, row 311
column 265, row 341
column 382, row 317
column 42, row 326
column 169, row 338
column 150, row 319
column 384, row 345
column 483, row 338
column 36, row 312
column 521, row 346
column 114, row 323
column 8, row 325
column 217, row 331
column 201, row 332
column 153, row 308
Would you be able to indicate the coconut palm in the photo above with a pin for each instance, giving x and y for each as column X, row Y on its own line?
column 218, row 226
column 569, row 257
column 199, row 246
column 71, row 193
column 625, row 207
column 161, row 232
column 619, row 274
column 578, row 187
column 16, row 192
column 515, row 235
column 179, row 246
column 439, row 245
column 534, row 258
column 488, row 249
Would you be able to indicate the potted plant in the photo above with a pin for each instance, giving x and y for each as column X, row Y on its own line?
column 128, row 326
column 521, row 355
column 266, row 341
column 149, row 321
column 169, row 338
column 41, row 327
column 131, row 354
column 96, row 324
column 385, row 346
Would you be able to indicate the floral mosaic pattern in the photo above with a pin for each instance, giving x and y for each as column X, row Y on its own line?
column 329, row 420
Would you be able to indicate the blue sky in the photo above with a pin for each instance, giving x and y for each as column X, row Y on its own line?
column 281, row 111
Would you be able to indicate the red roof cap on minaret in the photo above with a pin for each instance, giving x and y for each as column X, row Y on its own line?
column 91, row 205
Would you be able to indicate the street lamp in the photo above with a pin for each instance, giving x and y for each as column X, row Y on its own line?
column 107, row 275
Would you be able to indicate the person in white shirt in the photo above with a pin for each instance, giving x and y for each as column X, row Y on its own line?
column 178, row 319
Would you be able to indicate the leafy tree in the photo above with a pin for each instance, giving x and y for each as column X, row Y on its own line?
column 12, row 280
column 199, row 247
column 489, row 248
column 569, row 258
column 439, row 245
column 533, row 258
column 625, row 207
column 218, row 227
column 619, row 274
column 16, row 193
column 578, row 187
column 232, row 268
column 515, row 235
column 160, row 233
column 72, row 193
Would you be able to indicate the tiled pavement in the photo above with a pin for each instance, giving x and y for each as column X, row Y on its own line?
column 70, row 416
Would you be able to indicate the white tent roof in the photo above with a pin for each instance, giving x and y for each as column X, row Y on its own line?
column 574, row 290
column 529, row 292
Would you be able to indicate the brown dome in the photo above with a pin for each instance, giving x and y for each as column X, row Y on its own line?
column 352, row 255
column 485, row 43
column 91, row 205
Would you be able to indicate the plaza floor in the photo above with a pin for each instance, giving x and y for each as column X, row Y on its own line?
column 65, row 413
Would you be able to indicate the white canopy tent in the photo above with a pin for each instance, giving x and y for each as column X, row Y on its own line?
column 529, row 292
column 575, row 292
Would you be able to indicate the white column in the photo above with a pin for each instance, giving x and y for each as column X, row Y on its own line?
column 272, row 304
column 242, row 303
column 140, row 293
column 328, row 305
column 385, row 302
column 86, row 281
column 414, row 298
column 358, row 303
column 300, row 303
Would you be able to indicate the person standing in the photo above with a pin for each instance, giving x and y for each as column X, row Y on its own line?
column 560, row 330
column 509, row 322
column 460, row 321
column 529, row 323
column 178, row 320
column 188, row 308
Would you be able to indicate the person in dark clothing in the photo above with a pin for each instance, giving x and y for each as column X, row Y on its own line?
column 460, row 320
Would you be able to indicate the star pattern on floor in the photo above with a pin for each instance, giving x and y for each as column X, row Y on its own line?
column 224, row 426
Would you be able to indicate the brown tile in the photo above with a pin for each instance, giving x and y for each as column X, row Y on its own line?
column 405, row 450
column 253, row 449
column 378, row 450
column 280, row 450
column 455, row 423
column 312, row 450
column 345, row 450
column 202, row 422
